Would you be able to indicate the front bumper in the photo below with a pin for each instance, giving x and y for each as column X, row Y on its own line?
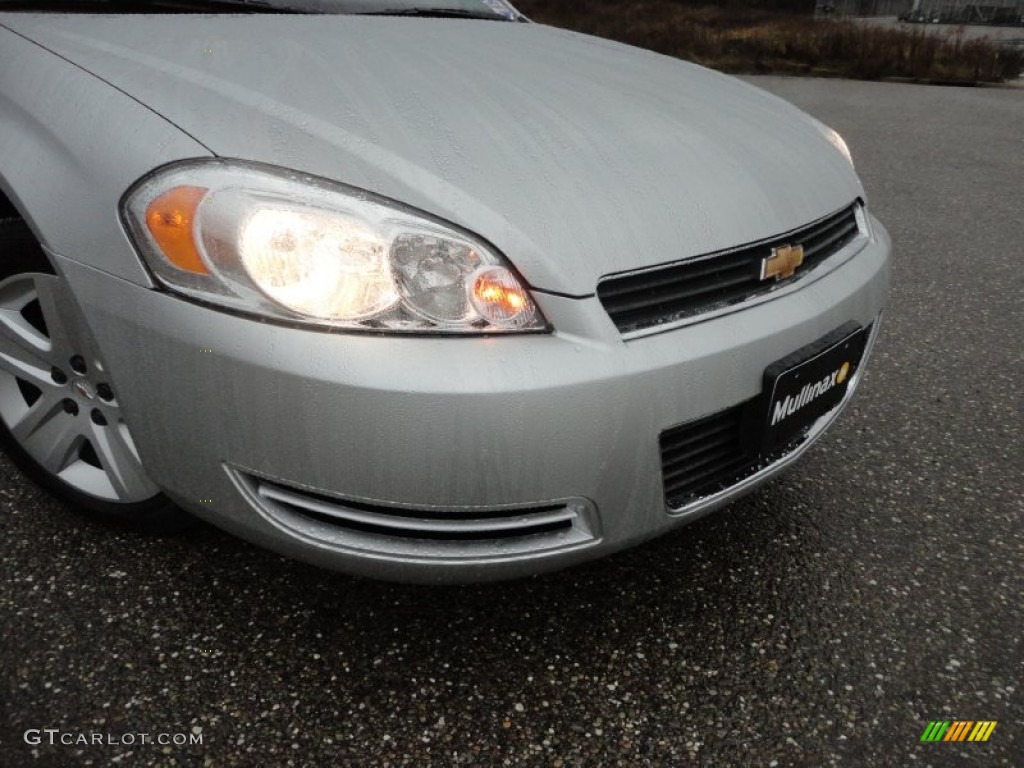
column 221, row 406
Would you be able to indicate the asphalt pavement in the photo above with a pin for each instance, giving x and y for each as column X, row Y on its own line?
column 825, row 620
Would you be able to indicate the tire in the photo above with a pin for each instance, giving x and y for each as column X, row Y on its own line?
column 59, row 418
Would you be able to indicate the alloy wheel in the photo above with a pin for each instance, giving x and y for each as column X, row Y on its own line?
column 55, row 397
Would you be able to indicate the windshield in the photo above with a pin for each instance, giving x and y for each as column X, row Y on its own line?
column 496, row 10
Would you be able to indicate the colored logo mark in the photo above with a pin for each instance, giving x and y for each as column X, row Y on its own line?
column 843, row 373
column 958, row 730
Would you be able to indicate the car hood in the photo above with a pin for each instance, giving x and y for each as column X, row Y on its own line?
column 575, row 156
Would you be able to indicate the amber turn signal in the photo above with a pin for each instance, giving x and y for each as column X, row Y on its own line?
column 501, row 299
column 169, row 219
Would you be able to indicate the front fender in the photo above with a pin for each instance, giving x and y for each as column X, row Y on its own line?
column 71, row 145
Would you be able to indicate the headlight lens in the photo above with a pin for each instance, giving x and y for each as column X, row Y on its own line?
column 432, row 275
column 316, row 264
column 294, row 247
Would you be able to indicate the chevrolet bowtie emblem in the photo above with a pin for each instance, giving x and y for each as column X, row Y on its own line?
column 783, row 262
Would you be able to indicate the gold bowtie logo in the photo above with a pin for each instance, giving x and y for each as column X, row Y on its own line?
column 783, row 262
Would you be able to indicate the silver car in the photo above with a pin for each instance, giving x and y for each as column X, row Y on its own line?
column 420, row 291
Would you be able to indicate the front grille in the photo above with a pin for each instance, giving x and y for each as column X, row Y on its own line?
column 708, row 455
column 674, row 292
column 431, row 532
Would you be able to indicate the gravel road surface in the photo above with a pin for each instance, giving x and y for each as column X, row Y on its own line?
column 823, row 621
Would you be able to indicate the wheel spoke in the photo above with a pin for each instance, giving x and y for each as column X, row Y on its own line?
column 51, row 293
column 54, row 439
column 120, row 462
column 33, row 418
column 18, row 291
column 36, row 415
column 23, row 361
column 25, row 351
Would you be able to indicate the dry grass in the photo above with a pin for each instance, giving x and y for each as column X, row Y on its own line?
column 738, row 39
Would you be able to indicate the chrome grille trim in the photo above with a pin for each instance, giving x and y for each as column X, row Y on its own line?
column 656, row 299
column 420, row 533
column 402, row 522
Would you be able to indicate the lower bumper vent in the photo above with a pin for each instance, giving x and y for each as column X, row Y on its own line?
column 708, row 455
column 705, row 456
column 421, row 524
column 460, row 533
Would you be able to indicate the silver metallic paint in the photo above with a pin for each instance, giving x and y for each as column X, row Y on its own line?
column 71, row 145
column 440, row 421
column 576, row 157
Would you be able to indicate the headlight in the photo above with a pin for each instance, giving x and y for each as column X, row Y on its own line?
column 293, row 247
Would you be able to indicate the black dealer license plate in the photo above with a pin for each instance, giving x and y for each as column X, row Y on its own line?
column 809, row 383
